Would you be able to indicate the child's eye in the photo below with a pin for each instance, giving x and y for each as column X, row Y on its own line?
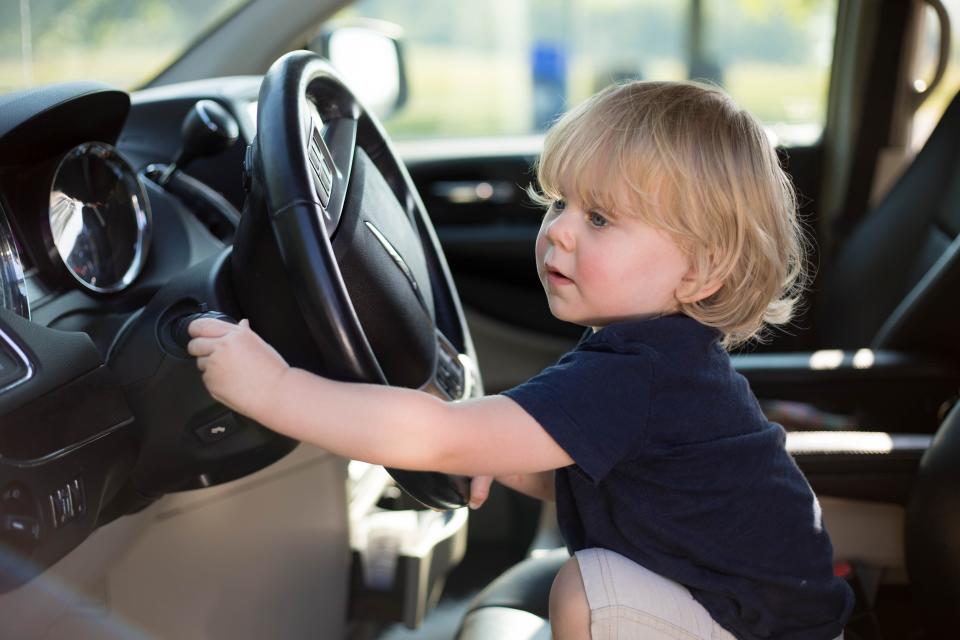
column 559, row 205
column 597, row 220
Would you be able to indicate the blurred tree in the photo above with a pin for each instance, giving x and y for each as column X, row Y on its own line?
column 120, row 41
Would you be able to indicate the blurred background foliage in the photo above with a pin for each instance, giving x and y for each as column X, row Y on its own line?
column 485, row 66
column 122, row 42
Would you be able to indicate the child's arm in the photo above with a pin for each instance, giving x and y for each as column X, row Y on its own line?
column 392, row 426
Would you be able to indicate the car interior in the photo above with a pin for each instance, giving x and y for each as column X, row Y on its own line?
column 264, row 172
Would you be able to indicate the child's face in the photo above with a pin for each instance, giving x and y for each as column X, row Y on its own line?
column 596, row 269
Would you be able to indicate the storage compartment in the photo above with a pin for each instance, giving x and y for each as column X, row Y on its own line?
column 402, row 553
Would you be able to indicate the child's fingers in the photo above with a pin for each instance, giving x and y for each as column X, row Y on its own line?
column 202, row 363
column 479, row 490
column 201, row 346
column 210, row 328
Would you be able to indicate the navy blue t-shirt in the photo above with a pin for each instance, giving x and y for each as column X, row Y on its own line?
column 676, row 467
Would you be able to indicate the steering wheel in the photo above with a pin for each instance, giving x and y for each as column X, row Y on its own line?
column 336, row 261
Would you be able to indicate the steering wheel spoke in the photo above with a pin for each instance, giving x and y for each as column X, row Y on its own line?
column 330, row 150
column 455, row 375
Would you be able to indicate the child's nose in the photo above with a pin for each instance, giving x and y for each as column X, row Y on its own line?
column 560, row 231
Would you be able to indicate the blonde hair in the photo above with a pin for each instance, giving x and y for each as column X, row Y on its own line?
column 686, row 159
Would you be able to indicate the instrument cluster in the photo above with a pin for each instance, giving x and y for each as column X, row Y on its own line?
column 99, row 218
column 13, row 290
column 95, row 221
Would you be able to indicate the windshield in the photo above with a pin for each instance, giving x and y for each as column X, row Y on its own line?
column 121, row 42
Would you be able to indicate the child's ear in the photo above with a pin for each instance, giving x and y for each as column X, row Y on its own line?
column 693, row 289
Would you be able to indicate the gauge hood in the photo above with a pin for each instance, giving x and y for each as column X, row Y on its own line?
column 43, row 121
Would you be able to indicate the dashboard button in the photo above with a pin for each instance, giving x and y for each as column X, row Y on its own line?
column 66, row 503
column 216, row 430
column 19, row 531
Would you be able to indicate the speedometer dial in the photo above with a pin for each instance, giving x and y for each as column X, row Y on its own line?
column 13, row 290
column 99, row 218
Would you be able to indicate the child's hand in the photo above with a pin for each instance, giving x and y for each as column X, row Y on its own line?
column 239, row 368
column 479, row 490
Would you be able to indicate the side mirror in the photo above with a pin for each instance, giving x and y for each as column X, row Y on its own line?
column 369, row 56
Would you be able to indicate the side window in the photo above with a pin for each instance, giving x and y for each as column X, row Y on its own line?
column 509, row 67
column 928, row 54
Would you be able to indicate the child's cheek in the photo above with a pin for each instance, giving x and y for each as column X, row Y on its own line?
column 541, row 249
column 593, row 272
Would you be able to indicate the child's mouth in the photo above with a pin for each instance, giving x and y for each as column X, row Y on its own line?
column 556, row 278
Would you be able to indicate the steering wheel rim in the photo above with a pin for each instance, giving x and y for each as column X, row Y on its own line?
column 306, row 117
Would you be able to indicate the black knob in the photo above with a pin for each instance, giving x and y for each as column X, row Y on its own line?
column 207, row 130
column 179, row 327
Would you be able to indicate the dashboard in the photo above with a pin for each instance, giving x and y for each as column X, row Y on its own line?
column 88, row 237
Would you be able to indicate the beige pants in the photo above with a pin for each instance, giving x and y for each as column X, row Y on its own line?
column 629, row 602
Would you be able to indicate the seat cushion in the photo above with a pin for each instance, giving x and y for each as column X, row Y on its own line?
column 512, row 606
column 496, row 623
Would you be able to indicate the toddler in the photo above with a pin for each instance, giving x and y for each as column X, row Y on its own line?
column 671, row 233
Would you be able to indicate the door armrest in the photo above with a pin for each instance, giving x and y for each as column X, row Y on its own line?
column 859, row 465
column 903, row 390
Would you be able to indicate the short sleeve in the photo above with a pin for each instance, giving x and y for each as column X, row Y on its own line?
column 594, row 404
